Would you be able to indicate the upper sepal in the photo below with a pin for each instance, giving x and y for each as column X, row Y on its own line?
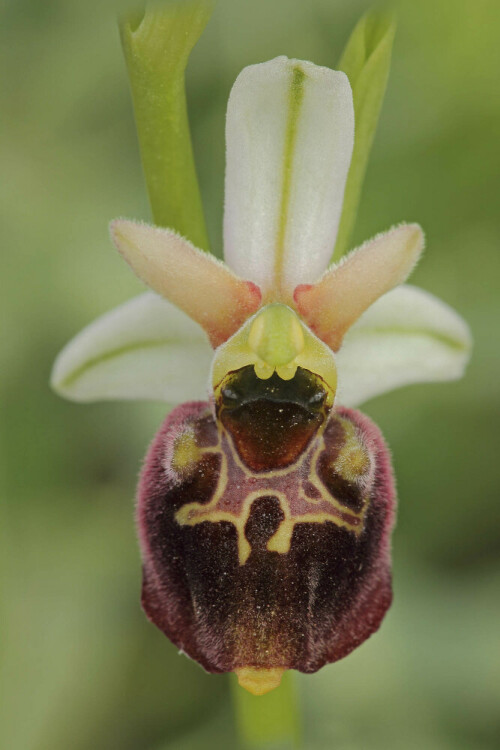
column 289, row 139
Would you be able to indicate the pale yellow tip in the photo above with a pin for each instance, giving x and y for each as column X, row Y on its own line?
column 259, row 681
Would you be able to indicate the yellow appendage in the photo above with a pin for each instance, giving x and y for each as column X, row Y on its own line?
column 275, row 340
column 259, row 681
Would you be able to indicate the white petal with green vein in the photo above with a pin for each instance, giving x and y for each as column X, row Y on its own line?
column 289, row 138
column 407, row 336
column 143, row 349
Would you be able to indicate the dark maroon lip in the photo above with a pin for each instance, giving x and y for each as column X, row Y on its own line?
column 236, row 584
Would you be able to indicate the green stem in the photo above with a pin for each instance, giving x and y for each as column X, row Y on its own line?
column 270, row 721
column 366, row 61
column 157, row 48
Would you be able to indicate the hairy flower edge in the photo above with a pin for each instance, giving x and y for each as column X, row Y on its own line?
column 314, row 578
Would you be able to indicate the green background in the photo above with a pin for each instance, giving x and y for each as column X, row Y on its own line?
column 80, row 667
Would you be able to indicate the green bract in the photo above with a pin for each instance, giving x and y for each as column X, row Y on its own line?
column 157, row 48
column 366, row 61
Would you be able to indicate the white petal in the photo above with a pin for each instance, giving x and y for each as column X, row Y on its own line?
column 289, row 137
column 144, row 349
column 407, row 336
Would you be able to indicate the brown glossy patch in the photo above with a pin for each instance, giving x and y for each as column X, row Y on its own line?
column 271, row 421
column 267, row 435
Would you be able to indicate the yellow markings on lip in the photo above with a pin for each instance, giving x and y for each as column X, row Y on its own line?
column 275, row 340
column 185, row 453
column 352, row 461
column 253, row 486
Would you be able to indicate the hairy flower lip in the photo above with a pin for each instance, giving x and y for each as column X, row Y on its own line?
column 209, row 562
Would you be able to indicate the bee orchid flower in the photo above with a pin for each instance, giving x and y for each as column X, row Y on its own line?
column 266, row 502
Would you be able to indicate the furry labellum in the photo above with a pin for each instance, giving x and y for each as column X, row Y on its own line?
column 265, row 528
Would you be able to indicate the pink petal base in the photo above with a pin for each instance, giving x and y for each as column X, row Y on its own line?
column 213, row 581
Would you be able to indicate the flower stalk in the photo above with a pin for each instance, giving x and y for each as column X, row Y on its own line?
column 271, row 721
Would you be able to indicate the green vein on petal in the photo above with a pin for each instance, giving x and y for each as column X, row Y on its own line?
column 453, row 343
column 111, row 354
column 408, row 336
column 144, row 349
column 289, row 137
column 296, row 98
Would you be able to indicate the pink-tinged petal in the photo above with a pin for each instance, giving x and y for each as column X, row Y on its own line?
column 331, row 306
column 194, row 281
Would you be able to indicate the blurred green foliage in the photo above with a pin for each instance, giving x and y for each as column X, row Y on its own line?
column 81, row 667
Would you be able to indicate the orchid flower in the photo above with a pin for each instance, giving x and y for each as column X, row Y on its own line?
column 265, row 512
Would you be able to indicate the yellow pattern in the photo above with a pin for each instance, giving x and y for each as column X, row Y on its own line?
column 194, row 513
column 186, row 452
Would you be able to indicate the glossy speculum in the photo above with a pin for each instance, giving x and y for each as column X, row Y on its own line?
column 271, row 421
column 265, row 528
